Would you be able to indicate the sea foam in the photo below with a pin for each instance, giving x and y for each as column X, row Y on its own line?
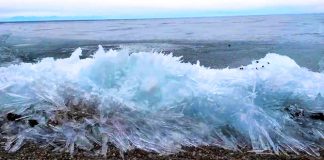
column 154, row 102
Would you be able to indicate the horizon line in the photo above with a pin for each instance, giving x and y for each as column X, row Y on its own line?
column 98, row 18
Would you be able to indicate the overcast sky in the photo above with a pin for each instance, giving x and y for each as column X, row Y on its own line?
column 153, row 8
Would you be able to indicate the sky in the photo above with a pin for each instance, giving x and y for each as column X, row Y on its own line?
column 24, row 10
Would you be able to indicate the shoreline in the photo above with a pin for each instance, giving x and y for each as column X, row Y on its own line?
column 32, row 151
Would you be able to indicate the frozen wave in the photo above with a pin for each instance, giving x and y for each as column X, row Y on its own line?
column 154, row 102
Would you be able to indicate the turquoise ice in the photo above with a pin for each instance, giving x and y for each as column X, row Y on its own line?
column 154, row 102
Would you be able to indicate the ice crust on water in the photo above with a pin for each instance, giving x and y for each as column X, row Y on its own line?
column 157, row 103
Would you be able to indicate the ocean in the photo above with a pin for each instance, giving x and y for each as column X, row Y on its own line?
column 160, row 84
column 205, row 39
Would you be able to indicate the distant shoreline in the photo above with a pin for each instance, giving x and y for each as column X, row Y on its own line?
column 87, row 19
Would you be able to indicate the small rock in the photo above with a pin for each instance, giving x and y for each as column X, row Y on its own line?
column 13, row 117
column 33, row 122
column 317, row 116
column 150, row 155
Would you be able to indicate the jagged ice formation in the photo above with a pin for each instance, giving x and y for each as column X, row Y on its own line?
column 154, row 102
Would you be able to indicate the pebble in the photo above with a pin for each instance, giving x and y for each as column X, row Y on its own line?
column 13, row 117
column 33, row 122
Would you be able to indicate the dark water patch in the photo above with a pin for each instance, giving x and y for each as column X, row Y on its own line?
column 3, row 38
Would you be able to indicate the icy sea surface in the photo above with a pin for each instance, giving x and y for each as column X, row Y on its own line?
column 235, row 82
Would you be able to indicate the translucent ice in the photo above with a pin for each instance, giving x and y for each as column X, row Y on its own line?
column 157, row 103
